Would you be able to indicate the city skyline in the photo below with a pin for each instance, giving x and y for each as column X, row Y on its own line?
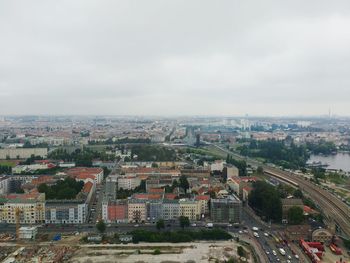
column 177, row 58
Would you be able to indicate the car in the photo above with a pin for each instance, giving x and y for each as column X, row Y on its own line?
column 245, row 231
column 240, row 232
column 194, row 224
column 288, row 261
column 289, row 257
column 296, row 256
column 266, row 234
column 256, row 234
column 267, row 252
column 274, row 253
column 229, row 225
column 255, row 229
column 137, row 225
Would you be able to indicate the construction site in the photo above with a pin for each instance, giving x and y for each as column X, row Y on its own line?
column 69, row 250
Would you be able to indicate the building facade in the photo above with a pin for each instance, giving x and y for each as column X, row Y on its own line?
column 24, row 208
column 115, row 211
column 226, row 210
column 128, row 182
column 137, row 211
column 66, row 211
column 170, row 209
column 190, row 209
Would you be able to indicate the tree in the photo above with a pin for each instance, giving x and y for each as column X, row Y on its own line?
column 157, row 251
column 101, row 226
column 298, row 193
column 19, row 191
column 260, row 170
column 265, row 200
column 295, row 215
column 184, row 184
column 184, row 221
column 160, row 224
column 240, row 251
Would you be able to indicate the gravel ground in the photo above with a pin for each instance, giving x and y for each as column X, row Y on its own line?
column 198, row 252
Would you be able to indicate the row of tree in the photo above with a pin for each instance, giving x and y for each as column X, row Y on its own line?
column 179, row 236
column 62, row 189
column 153, row 153
column 284, row 153
column 80, row 157
column 265, row 200
column 5, row 169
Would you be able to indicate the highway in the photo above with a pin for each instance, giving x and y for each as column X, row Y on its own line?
column 331, row 206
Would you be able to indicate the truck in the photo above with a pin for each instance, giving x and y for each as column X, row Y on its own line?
column 209, row 225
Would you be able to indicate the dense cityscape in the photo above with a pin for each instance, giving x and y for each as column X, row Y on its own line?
column 277, row 187
column 187, row 131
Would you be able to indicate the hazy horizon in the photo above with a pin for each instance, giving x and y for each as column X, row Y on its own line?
column 175, row 58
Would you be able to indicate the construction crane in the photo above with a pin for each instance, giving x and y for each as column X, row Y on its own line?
column 2, row 214
column 39, row 208
column 17, row 216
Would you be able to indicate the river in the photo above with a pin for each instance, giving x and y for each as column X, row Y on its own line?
column 337, row 161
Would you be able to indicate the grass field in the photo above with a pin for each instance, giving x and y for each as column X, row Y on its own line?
column 8, row 163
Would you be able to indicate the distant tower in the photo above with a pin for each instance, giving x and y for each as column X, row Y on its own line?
column 198, row 140
column 329, row 113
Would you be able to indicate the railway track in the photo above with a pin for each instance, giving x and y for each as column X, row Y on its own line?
column 331, row 206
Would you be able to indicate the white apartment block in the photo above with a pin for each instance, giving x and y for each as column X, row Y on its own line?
column 128, row 182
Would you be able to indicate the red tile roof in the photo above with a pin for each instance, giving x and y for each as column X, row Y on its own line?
column 148, row 196
column 84, row 171
column 87, row 187
column 202, row 197
column 247, row 188
column 84, row 176
column 156, row 190
column 43, row 179
column 170, row 196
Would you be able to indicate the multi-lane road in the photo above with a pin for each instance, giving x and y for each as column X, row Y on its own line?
column 331, row 206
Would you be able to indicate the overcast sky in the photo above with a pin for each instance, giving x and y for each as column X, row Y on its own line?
column 175, row 57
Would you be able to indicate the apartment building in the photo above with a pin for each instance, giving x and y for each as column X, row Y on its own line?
column 226, row 209
column 128, row 182
column 66, row 211
column 154, row 210
column 115, row 211
column 111, row 187
column 137, row 211
column 26, row 208
column 83, row 173
column 4, row 185
column 203, row 201
column 190, row 209
column 231, row 172
column 170, row 209
column 71, row 211
column 22, row 153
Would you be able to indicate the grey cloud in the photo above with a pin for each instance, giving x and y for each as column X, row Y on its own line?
column 174, row 57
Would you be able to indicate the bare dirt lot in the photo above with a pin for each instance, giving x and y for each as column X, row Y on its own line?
column 169, row 253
